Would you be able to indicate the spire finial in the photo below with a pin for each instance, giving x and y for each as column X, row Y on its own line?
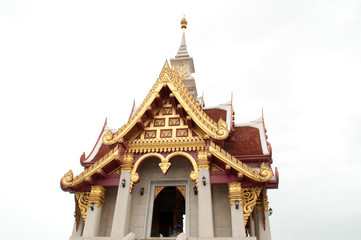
column 184, row 23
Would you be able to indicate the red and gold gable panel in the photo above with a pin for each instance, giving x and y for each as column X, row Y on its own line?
column 166, row 123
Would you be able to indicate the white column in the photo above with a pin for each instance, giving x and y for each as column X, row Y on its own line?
column 205, row 209
column 263, row 233
column 205, row 214
column 235, row 200
column 122, row 207
column 96, row 200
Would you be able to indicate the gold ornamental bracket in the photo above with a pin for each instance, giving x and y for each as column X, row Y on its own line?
column 81, row 206
column 250, row 196
column 69, row 181
column 170, row 77
column 264, row 175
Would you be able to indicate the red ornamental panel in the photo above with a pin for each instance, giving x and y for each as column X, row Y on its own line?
column 166, row 133
column 150, row 134
column 174, row 121
column 182, row 132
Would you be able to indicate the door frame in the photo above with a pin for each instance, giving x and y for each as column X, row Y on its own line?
column 150, row 202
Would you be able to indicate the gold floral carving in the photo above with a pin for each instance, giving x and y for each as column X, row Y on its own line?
column 69, row 181
column 170, row 77
column 194, row 176
column 250, row 196
column 81, row 206
column 164, row 165
column 182, row 190
column 235, row 192
column 182, row 71
column 96, row 195
column 202, row 160
column 166, row 145
column 157, row 190
column 264, row 175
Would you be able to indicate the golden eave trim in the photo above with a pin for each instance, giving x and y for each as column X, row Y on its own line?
column 166, row 144
column 69, row 181
column 171, row 78
column 264, row 175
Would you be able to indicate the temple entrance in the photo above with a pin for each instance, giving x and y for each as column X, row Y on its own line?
column 168, row 211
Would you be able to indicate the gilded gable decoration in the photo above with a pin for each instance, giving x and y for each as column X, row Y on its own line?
column 170, row 78
column 150, row 134
column 167, row 111
column 182, row 132
column 174, row 121
column 166, row 133
column 159, row 122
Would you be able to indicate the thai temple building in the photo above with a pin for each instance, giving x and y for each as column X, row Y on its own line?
column 176, row 169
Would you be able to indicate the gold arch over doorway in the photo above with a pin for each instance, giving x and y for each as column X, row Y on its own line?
column 164, row 165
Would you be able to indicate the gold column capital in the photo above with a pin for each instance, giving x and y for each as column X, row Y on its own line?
column 235, row 192
column 127, row 162
column 202, row 160
column 96, row 195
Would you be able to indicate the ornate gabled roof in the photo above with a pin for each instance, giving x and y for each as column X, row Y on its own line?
column 69, row 181
column 264, row 175
column 169, row 77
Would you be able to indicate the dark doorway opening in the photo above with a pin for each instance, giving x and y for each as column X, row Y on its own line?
column 168, row 213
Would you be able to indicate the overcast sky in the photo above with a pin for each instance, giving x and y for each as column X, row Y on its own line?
column 67, row 65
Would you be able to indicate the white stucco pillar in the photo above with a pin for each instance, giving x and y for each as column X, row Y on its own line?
column 123, row 202
column 205, row 212
column 263, row 230
column 79, row 232
column 96, row 200
column 235, row 200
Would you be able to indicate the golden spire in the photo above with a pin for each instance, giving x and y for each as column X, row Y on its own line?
column 184, row 23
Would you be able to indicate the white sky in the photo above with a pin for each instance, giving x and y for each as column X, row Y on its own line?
column 66, row 65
